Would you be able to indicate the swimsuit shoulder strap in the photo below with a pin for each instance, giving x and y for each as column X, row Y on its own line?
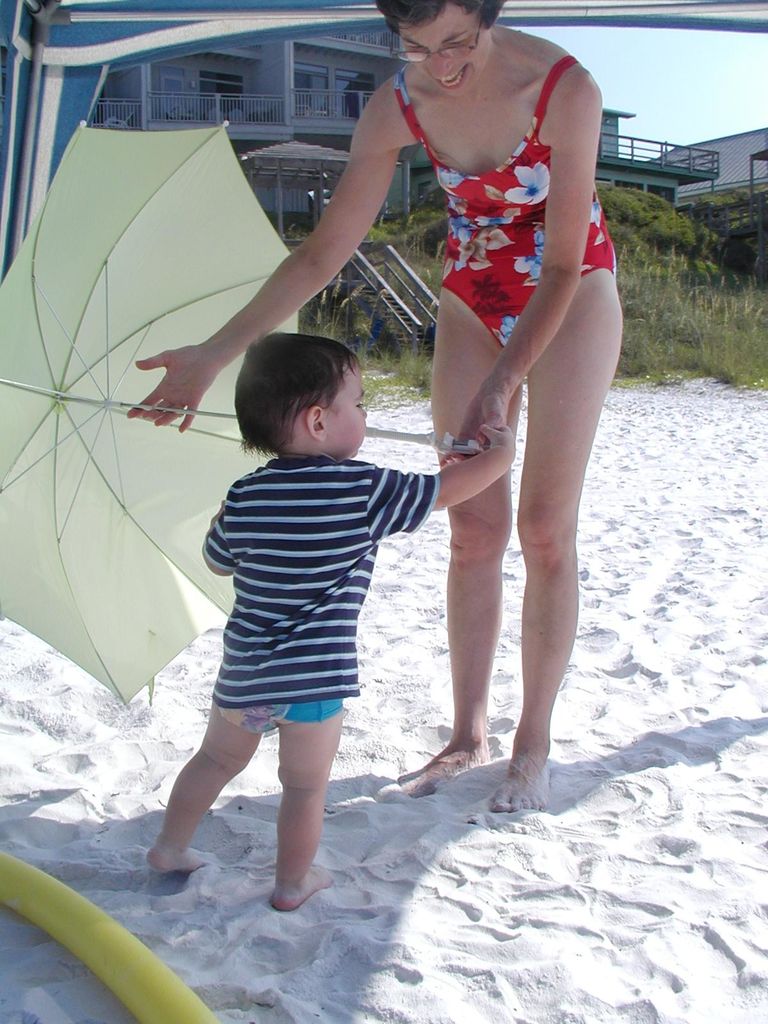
column 555, row 73
column 408, row 112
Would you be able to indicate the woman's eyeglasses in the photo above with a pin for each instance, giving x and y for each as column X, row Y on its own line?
column 420, row 54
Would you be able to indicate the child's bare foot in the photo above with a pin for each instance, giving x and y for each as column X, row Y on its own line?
column 526, row 787
column 163, row 857
column 289, row 897
column 444, row 765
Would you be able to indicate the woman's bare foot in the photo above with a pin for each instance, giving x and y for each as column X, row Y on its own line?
column 289, row 897
column 445, row 765
column 163, row 857
column 526, row 787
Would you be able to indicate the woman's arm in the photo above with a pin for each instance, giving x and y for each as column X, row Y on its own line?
column 356, row 202
column 572, row 130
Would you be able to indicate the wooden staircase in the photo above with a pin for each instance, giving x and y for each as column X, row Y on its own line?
column 746, row 219
column 397, row 306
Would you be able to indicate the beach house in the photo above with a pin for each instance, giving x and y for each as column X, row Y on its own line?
column 311, row 90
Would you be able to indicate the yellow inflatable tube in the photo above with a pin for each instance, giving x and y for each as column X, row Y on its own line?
column 145, row 986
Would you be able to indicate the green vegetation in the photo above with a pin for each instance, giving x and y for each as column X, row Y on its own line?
column 685, row 316
column 679, row 324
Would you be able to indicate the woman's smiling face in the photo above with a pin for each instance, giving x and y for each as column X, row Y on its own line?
column 455, row 43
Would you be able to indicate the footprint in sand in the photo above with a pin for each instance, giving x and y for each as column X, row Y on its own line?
column 598, row 640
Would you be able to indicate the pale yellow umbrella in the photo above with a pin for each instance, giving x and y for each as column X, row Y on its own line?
column 146, row 241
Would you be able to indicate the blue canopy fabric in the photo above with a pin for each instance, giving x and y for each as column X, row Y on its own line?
column 59, row 52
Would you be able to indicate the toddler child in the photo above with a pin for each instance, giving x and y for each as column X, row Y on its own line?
column 300, row 536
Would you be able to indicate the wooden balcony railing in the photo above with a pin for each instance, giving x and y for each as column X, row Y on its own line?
column 313, row 103
column 383, row 39
column 214, row 108
column 243, row 110
column 117, row 114
column 663, row 154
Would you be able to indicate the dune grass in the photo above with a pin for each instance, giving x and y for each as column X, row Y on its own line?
column 677, row 326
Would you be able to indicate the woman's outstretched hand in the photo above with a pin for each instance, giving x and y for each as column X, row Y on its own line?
column 189, row 372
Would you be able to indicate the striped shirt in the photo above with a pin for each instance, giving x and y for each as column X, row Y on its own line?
column 300, row 536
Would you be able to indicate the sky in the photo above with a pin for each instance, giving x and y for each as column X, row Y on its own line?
column 685, row 86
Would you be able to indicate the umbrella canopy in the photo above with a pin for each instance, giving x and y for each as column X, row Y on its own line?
column 59, row 52
column 145, row 241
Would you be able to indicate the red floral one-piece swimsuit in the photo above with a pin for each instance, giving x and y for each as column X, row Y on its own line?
column 496, row 221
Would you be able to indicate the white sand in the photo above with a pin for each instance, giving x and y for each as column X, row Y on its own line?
column 641, row 897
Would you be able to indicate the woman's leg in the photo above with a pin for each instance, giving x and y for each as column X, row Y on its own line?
column 566, row 391
column 225, row 751
column 307, row 750
column 465, row 353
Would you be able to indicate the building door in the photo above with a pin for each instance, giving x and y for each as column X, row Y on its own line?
column 171, row 102
column 219, row 92
column 310, row 90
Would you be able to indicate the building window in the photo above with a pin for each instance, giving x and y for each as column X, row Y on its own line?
column 219, row 81
column 663, row 191
column 354, row 87
column 309, row 76
column 170, row 79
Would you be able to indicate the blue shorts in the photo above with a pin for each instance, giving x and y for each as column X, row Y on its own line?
column 264, row 718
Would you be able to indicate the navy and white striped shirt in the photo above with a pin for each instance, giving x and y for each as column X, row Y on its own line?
column 300, row 536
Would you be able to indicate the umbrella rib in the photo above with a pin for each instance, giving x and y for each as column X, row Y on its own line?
column 108, row 403
column 90, row 459
column 118, row 467
column 106, row 328
column 72, row 346
column 145, row 331
column 57, row 444
column 107, row 369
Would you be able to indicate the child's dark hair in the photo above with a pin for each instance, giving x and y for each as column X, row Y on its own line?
column 403, row 13
column 282, row 375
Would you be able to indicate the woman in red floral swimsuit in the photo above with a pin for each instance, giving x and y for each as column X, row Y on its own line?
column 529, row 294
column 496, row 220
